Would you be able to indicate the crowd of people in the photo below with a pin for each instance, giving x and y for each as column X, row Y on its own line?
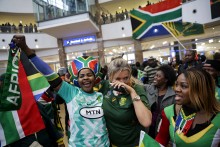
column 106, row 18
column 118, row 16
column 20, row 28
column 110, row 106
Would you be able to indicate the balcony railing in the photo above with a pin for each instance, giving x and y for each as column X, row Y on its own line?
column 20, row 29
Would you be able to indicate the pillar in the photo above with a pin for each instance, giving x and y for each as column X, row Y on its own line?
column 61, row 52
column 138, row 53
column 100, row 45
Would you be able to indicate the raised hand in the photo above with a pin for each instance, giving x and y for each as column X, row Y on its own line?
column 21, row 42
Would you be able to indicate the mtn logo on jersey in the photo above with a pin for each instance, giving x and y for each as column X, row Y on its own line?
column 91, row 112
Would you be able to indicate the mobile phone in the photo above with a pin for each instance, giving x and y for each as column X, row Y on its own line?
column 121, row 89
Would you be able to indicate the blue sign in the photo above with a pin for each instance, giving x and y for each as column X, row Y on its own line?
column 81, row 40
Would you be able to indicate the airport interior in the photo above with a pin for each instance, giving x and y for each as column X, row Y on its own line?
column 62, row 30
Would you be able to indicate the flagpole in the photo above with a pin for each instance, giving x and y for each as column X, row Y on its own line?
column 174, row 36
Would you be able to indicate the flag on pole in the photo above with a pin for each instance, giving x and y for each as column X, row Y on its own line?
column 147, row 141
column 147, row 21
column 184, row 28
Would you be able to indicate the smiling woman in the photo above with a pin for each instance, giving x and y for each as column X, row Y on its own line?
column 196, row 113
column 86, row 80
column 160, row 94
column 83, row 104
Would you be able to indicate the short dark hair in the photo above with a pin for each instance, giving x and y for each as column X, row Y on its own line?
column 202, row 58
column 138, row 64
column 169, row 74
column 216, row 56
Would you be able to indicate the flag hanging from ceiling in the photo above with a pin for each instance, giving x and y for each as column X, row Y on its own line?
column 184, row 28
column 146, row 21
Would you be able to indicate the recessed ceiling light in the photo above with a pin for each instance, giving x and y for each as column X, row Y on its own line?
column 37, row 46
column 165, row 42
column 119, row 7
column 211, row 40
column 152, row 46
column 3, row 47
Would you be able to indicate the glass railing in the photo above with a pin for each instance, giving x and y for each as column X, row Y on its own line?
column 21, row 29
column 47, row 10
column 109, row 18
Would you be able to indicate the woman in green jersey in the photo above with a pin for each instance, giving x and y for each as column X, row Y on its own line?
column 195, row 119
column 125, row 105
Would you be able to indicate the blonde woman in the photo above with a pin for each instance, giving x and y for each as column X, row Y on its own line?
column 125, row 105
column 195, row 119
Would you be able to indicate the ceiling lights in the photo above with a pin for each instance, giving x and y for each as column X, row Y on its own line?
column 152, row 46
column 211, row 40
column 165, row 42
